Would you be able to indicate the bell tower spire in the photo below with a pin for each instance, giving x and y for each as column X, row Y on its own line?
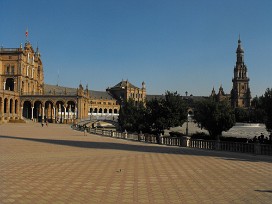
column 240, row 93
column 240, row 52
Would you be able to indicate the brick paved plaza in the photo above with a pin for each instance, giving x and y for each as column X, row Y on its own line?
column 56, row 164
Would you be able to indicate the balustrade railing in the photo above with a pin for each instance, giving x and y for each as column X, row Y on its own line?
column 9, row 49
column 202, row 144
column 237, row 147
column 251, row 148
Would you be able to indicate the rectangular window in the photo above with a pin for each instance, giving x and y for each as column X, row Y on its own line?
column 12, row 69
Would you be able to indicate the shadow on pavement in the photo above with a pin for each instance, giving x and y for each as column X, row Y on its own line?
column 150, row 148
column 264, row 191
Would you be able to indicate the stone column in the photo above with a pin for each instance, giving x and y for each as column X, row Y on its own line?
column 32, row 112
column 14, row 86
column 2, row 109
column 54, row 115
column 65, row 118
column 43, row 114
column 13, row 110
column 22, row 108
column 76, row 113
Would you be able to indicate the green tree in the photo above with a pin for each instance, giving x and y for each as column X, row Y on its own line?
column 267, row 106
column 241, row 115
column 132, row 116
column 170, row 111
column 215, row 117
column 157, row 115
column 176, row 110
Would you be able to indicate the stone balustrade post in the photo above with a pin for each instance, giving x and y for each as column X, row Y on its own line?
column 257, row 148
column 217, row 145
column 185, row 141
column 43, row 115
column 32, row 113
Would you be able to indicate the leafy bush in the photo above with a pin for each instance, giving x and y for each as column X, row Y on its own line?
column 201, row 135
column 233, row 139
column 176, row 134
column 204, row 136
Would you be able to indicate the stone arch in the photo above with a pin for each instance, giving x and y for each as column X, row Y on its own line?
column 95, row 110
column 105, row 110
column 49, row 111
column 38, row 110
column 115, row 111
column 60, row 111
column 71, row 110
column 100, row 110
column 110, row 110
column 27, row 109
column 190, row 111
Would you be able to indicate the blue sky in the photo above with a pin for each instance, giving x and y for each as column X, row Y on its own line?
column 175, row 45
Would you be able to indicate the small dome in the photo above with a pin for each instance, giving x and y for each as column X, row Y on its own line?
column 239, row 48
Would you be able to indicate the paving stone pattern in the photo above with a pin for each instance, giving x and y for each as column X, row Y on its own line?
column 56, row 164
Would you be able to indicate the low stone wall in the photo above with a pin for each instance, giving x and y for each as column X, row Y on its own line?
column 250, row 148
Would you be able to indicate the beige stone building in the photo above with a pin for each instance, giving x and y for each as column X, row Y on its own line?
column 24, row 95
column 124, row 91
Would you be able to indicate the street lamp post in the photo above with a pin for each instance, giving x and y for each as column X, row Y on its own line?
column 77, row 109
column 91, row 114
column 187, row 121
column 187, row 128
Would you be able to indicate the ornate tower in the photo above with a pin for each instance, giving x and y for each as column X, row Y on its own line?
column 240, row 93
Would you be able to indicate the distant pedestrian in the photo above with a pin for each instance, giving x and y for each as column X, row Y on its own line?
column 85, row 130
column 46, row 123
column 255, row 139
column 42, row 124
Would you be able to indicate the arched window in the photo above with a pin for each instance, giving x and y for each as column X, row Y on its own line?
column 10, row 84
column 5, row 105
column 105, row 110
column 10, row 105
column 100, row 110
column 8, row 68
column 16, row 106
